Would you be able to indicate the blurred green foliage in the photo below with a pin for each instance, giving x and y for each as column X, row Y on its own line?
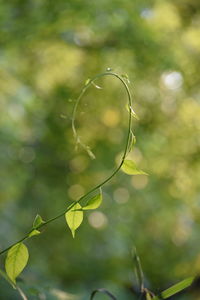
column 47, row 51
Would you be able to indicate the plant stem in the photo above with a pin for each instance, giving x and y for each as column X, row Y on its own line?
column 76, row 136
column 19, row 241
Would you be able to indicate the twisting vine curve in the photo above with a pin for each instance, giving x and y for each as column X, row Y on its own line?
column 17, row 253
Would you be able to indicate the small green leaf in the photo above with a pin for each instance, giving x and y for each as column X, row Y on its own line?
column 89, row 152
column 34, row 232
column 74, row 218
column 133, row 113
column 38, row 221
column 130, row 168
column 87, row 81
column 138, row 269
column 148, row 296
column 176, row 288
column 94, row 202
column 16, row 261
column 132, row 141
column 125, row 76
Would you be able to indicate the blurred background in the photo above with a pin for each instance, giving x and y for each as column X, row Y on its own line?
column 48, row 49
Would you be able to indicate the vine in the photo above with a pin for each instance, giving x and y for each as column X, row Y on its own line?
column 17, row 253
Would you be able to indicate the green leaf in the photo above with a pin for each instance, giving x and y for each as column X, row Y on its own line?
column 74, row 218
column 94, row 202
column 34, row 232
column 133, row 113
column 175, row 288
column 38, row 221
column 89, row 152
column 87, row 81
column 16, row 261
column 130, row 168
column 138, row 268
column 125, row 76
column 132, row 141
column 148, row 296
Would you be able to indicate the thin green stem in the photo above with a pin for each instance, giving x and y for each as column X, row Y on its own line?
column 76, row 137
column 19, row 241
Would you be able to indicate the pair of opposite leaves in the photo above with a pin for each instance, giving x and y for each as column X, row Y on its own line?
column 18, row 255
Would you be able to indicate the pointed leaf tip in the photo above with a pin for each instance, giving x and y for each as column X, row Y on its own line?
column 73, row 233
column 130, row 168
column 74, row 218
column 16, row 261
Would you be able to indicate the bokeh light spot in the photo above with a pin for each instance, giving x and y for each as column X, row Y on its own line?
column 121, row 195
column 98, row 220
column 139, row 182
column 75, row 191
column 172, row 80
column 111, row 118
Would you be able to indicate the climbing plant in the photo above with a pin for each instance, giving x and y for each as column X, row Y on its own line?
column 17, row 254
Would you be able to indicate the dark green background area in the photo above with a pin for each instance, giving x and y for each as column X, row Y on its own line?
column 48, row 49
